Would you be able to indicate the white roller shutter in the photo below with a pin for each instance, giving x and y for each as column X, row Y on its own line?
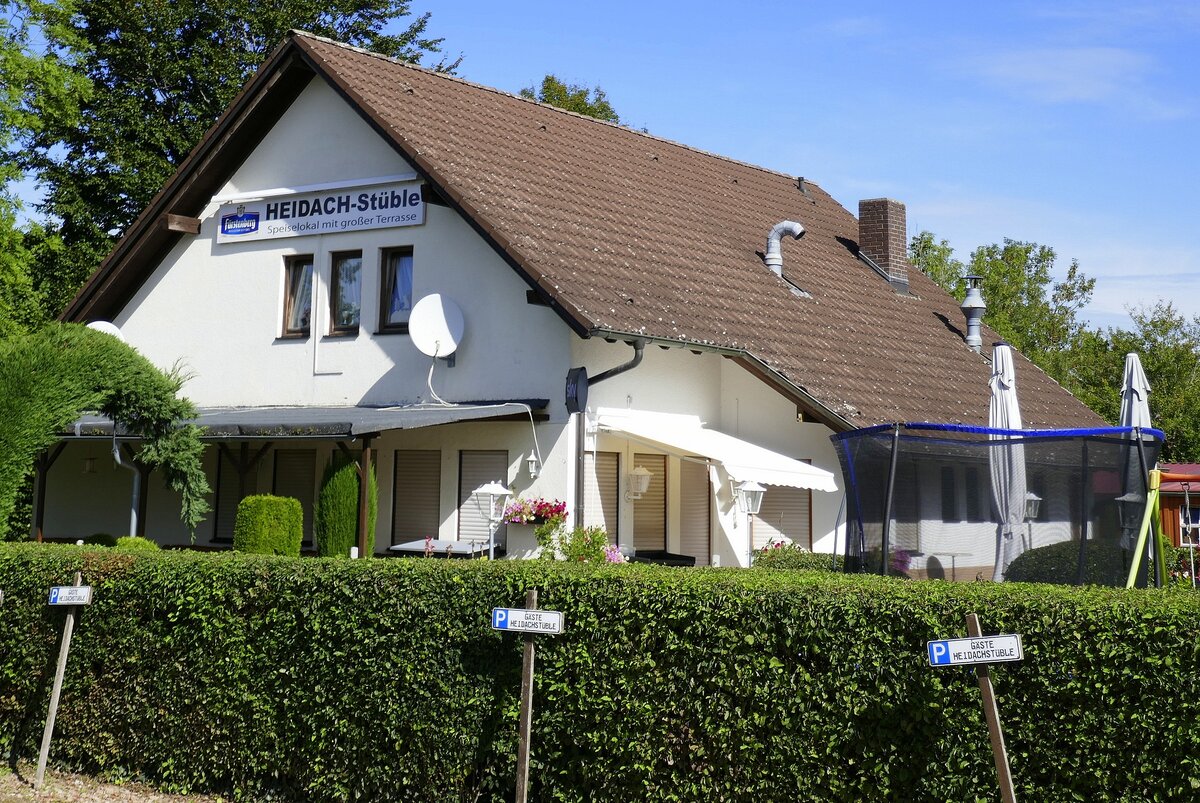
column 296, row 478
column 650, row 512
column 694, row 518
column 601, row 490
column 415, row 495
column 785, row 514
column 477, row 468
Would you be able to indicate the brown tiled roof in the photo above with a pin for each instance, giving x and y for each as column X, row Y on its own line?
column 631, row 234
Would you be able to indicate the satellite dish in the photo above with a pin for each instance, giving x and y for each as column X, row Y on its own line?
column 436, row 325
column 107, row 328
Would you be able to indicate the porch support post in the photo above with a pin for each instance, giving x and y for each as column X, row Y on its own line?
column 364, row 479
column 44, row 462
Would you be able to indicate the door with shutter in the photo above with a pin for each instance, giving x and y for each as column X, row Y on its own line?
column 415, row 495
column 785, row 515
column 601, row 491
column 229, row 496
column 477, row 468
column 650, row 512
column 296, row 477
column 694, row 517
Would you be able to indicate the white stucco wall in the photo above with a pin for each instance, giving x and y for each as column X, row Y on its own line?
column 217, row 308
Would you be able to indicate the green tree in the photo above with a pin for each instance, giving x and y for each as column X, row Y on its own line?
column 1169, row 347
column 50, row 377
column 573, row 98
column 161, row 72
column 31, row 81
column 1025, row 306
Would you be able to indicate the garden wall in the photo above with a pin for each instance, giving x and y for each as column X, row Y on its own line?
column 382, row 680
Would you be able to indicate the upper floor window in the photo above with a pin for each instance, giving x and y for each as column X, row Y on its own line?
column 297, row 303
column 396, row 281
column 345, row 298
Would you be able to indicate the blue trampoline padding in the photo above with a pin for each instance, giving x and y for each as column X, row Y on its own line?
column 1011, row 433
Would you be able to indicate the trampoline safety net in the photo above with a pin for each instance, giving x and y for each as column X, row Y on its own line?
column 941, row 501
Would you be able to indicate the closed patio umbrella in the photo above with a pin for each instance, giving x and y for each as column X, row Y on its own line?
column 1135, row 412
column 1006, row 460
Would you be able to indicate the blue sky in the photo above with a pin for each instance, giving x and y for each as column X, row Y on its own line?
column 1071, row 124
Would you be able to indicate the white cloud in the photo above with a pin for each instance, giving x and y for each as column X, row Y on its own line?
column 1094, row 75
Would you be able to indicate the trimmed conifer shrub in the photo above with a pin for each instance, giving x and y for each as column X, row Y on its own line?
column 335, row 515
column 269, row 525
column 134, row 543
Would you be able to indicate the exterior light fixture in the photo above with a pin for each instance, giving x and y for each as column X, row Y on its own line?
column 532, row 463
column 496, row 497
column 639, row 483
column 1033, row 505
column 749, row 496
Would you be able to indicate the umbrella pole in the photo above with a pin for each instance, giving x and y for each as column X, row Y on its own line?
column 1083, row 518
column 887, row 503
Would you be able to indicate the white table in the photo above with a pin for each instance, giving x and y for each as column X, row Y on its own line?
column 442, row 548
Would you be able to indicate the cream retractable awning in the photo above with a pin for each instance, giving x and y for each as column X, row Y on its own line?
column 682, row 434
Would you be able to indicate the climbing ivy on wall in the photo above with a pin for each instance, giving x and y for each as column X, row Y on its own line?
column 50, row 377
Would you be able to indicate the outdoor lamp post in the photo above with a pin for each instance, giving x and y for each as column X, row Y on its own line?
column 749, row 495
column 1033, row 505
column 497, row 497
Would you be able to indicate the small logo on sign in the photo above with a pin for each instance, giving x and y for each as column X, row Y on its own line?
column 241, row 223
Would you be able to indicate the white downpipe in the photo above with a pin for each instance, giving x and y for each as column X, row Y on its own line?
column 774, row 256
column 136, row 498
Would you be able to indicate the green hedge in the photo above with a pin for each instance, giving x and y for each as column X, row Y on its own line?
column 335, row 514
column 382, row 680
column 793, row 556
column 269, row 525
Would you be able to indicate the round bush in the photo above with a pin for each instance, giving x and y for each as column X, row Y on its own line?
column 133, row 543
column 1107, row 564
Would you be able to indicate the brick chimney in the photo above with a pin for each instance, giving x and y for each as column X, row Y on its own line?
column 883, row 238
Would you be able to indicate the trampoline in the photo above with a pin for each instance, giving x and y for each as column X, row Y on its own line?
column 945, row 501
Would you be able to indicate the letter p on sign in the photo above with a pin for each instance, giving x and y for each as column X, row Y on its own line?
column 938, row 652
column 499, row 618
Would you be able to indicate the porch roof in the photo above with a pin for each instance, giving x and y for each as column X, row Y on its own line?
column 241, row 423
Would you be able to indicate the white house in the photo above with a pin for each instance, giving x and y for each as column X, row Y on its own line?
column 281, row 265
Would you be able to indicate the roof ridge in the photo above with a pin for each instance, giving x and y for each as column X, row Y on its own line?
column 495, row 90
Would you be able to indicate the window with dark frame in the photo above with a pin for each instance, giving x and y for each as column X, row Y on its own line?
column 974, row 496
column 949, row 495
column 395, row 290
column 345, row 298
column 297, row 304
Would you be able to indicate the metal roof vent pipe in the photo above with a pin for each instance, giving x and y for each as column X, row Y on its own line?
column 774, row 256
column 973, row 308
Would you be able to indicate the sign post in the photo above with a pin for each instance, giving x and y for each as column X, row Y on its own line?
column 72, row 597
column 981, row 650
column 528, row 620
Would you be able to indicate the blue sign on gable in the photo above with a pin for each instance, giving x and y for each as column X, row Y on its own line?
column 241, row 223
